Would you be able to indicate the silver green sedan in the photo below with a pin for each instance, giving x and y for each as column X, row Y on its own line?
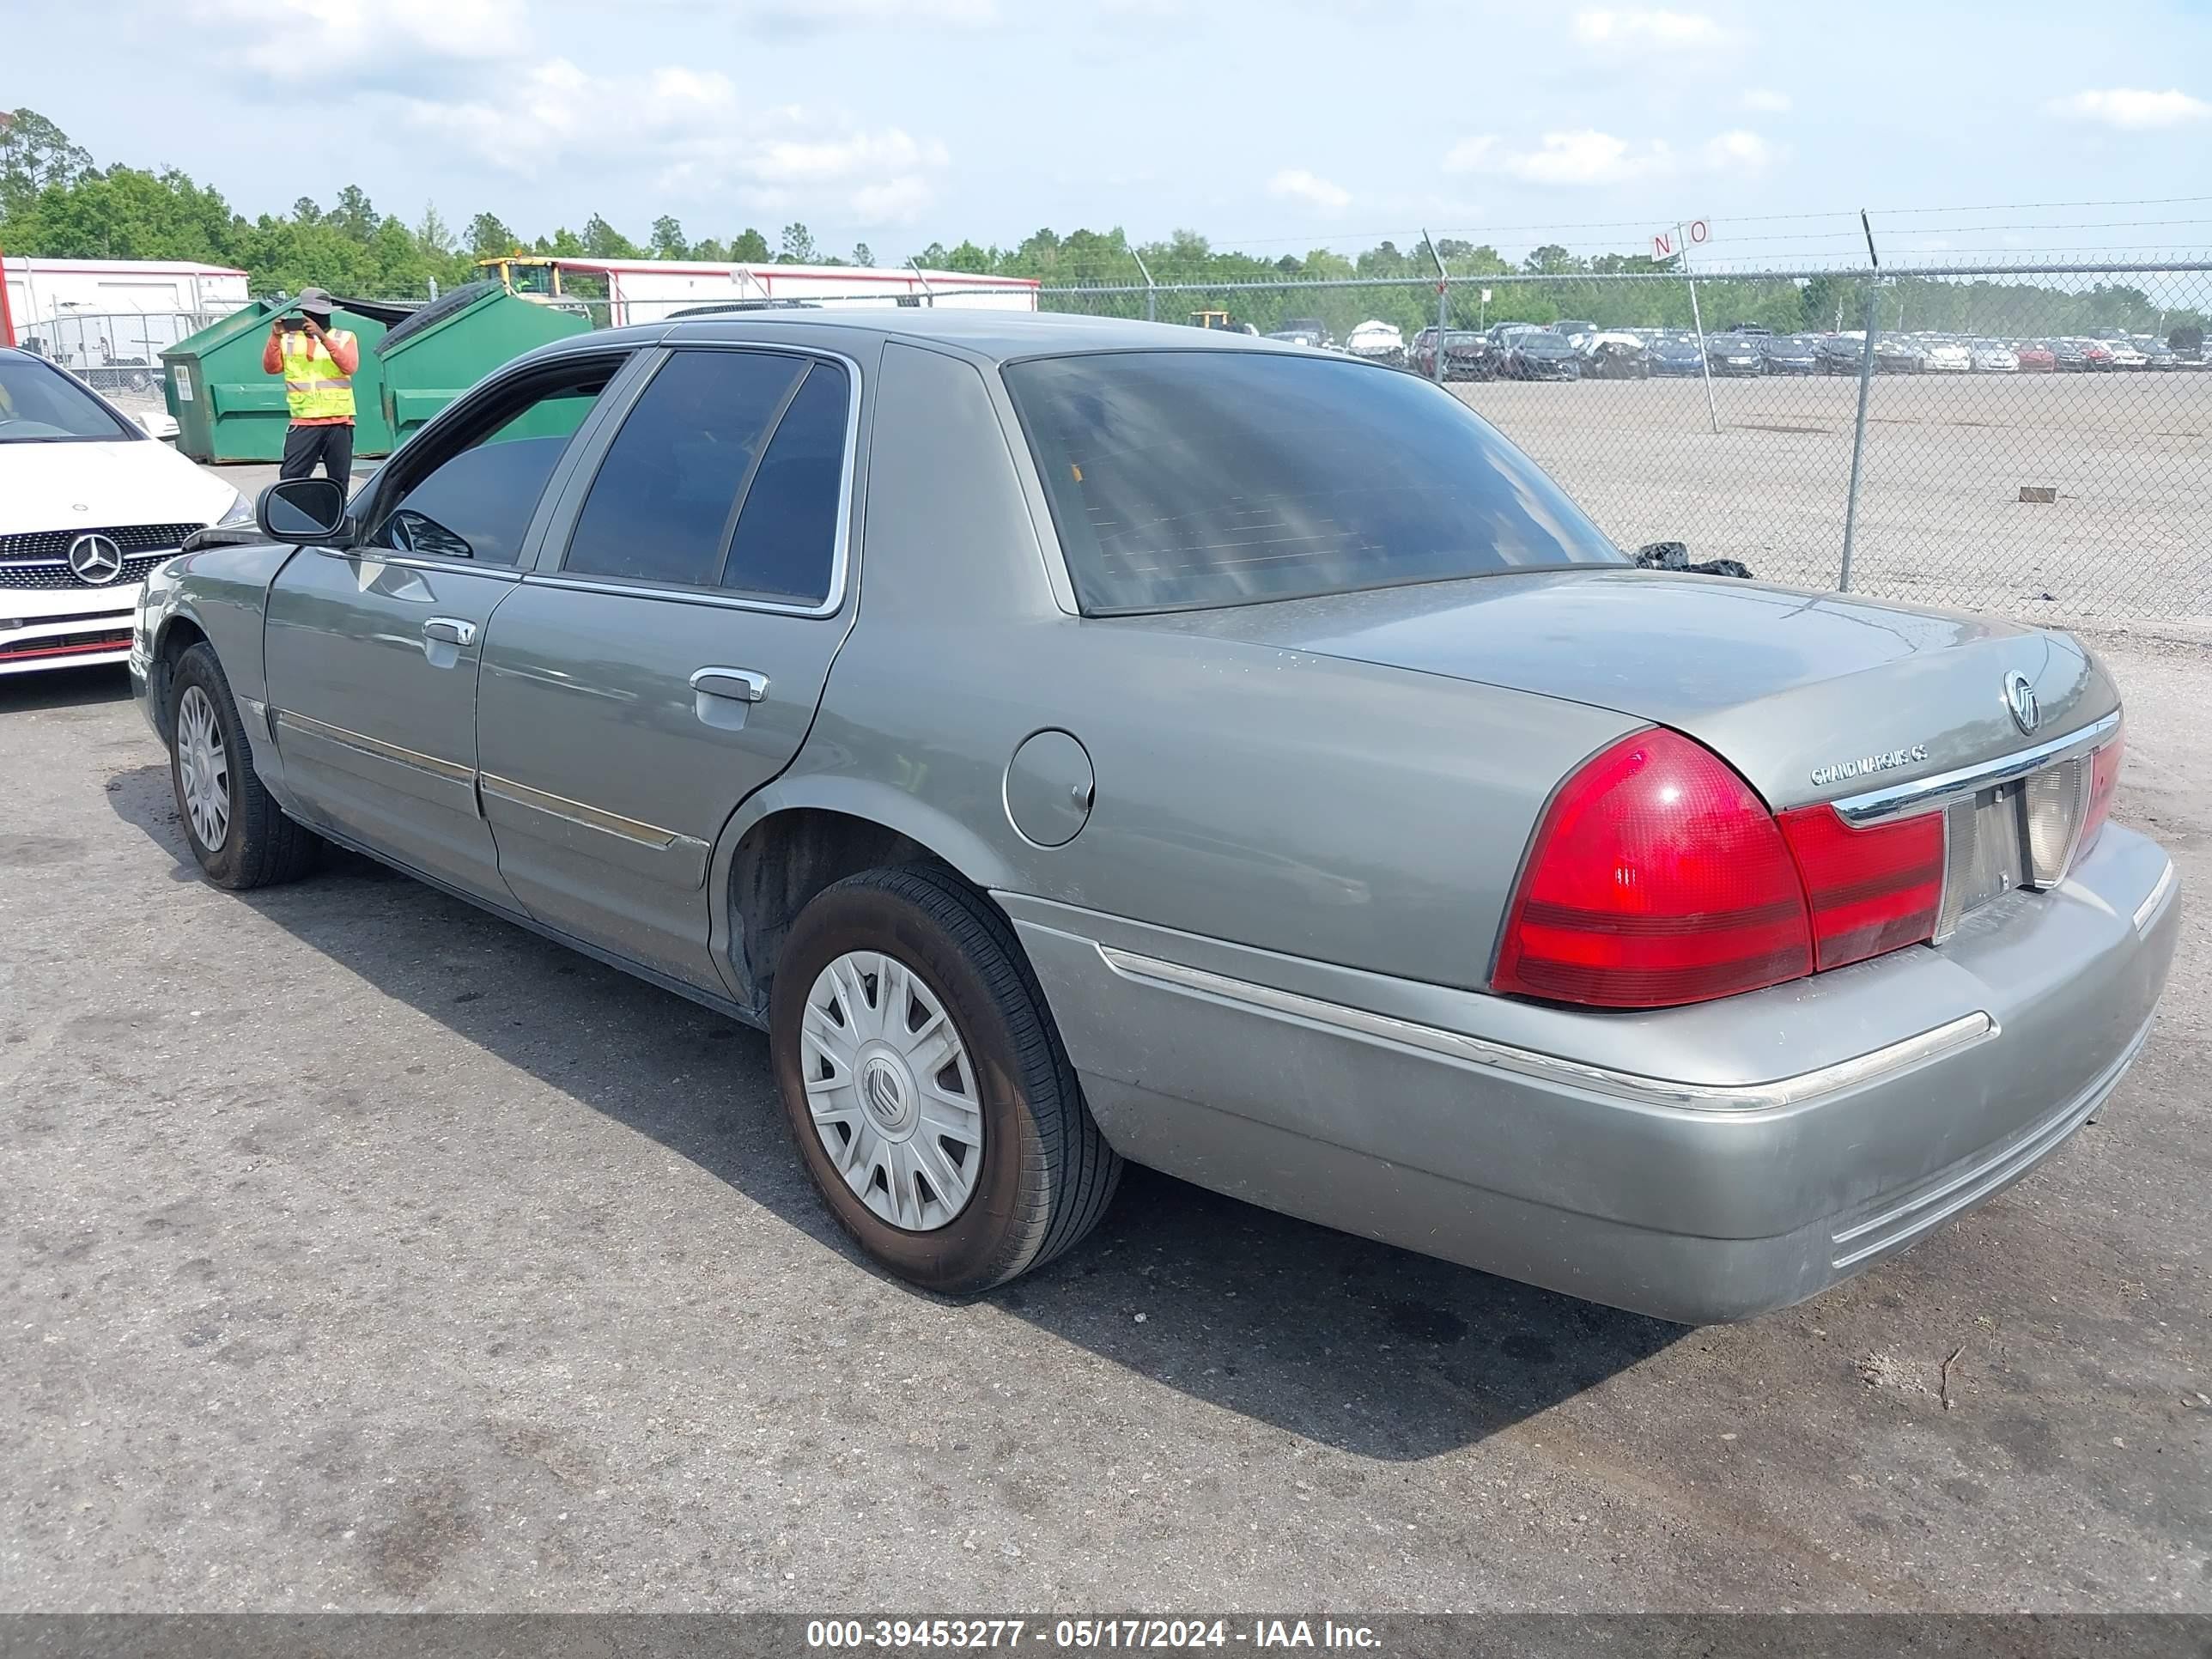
column 1076, row 740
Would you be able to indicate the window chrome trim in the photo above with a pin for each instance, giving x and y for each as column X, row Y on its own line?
column 678, row 595
column 369, row 555
column 1966, row 780
column 732, row 599
column 1361, row 1024
column 452, row 771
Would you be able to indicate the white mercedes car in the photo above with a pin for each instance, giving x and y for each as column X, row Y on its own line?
column 89, row 504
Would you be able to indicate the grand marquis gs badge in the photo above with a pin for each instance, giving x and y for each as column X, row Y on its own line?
column 1887, row 761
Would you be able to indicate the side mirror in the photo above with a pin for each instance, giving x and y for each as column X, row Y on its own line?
column 302, row 510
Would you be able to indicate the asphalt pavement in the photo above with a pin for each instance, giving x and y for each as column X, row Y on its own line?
column 366, row 1252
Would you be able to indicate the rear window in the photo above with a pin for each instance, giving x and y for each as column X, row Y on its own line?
column 1182, row 479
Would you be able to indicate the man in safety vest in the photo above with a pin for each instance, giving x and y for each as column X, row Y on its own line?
column 318, row 364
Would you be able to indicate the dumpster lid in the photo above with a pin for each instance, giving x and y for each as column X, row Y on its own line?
column 390, row 313
column 425, row 316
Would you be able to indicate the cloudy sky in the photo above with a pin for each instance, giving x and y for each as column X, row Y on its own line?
column 1272, row 124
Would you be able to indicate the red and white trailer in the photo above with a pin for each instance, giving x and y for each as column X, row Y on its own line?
column 68, row 305
column 650, row 291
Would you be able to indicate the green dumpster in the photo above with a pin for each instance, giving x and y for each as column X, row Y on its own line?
column 451, row 343
column 227, row 409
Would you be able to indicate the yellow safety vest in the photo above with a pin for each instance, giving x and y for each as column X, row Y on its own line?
column 314, row 388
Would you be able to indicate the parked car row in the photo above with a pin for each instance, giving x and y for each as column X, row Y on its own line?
column 1925, row 354
column 1581, row 350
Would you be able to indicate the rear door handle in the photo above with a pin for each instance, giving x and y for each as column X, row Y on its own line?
column 452, row 629
column 736, row 685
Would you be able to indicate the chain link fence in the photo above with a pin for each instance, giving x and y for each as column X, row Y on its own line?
column 2037, row 439
column 118, row 354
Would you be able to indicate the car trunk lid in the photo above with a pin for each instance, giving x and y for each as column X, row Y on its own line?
column 1811, row 696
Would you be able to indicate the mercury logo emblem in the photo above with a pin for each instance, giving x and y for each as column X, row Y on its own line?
column 2019, row 697
column 880, row 1084
column 95, row 560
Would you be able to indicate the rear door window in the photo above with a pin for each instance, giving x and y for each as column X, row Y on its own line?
column 665, row 499
column 785, row 548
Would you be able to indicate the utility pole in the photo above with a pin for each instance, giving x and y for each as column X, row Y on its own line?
column 1697, row 321
column 1444, row 298
column 1858, row 430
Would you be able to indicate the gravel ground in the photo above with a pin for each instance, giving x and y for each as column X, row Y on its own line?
column 366, row 1252
column 1941, row 521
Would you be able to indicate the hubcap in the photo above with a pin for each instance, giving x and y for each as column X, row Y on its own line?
column 890, row 1090
column 203, row 766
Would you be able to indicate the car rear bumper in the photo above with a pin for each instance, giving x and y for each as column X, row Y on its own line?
column 1745, row 1155
column 64, row 627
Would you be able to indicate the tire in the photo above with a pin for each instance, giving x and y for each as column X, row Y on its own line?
column 255, row 845
column 1045, row 1173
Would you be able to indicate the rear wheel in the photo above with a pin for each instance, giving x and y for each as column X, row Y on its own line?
column 926, row 1086
column 239, row 835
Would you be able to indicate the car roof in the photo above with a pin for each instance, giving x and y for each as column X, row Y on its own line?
column 1003, row 336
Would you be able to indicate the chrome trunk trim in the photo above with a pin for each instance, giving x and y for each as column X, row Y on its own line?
column 1364, row 1025
column 1966, row 780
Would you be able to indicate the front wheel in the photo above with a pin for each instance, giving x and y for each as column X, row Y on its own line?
column 239, row 835
column 926, row 1086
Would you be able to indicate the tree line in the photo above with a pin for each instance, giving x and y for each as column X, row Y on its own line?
column 55, row 202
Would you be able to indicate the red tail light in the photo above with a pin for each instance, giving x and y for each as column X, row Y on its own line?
column 1871, row 890
column 1657, row 876
column 2104, row 780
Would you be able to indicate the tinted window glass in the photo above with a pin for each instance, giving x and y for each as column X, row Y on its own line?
column 659, row 509
column 1181, row 478
column 477, row 503
column 39, row 404
column 788, row 530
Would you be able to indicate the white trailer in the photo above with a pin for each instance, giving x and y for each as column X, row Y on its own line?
column 651, row 291
column 99, row 313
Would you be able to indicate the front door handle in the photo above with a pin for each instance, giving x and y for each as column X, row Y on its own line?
column 452, row 629
column 736, row 685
